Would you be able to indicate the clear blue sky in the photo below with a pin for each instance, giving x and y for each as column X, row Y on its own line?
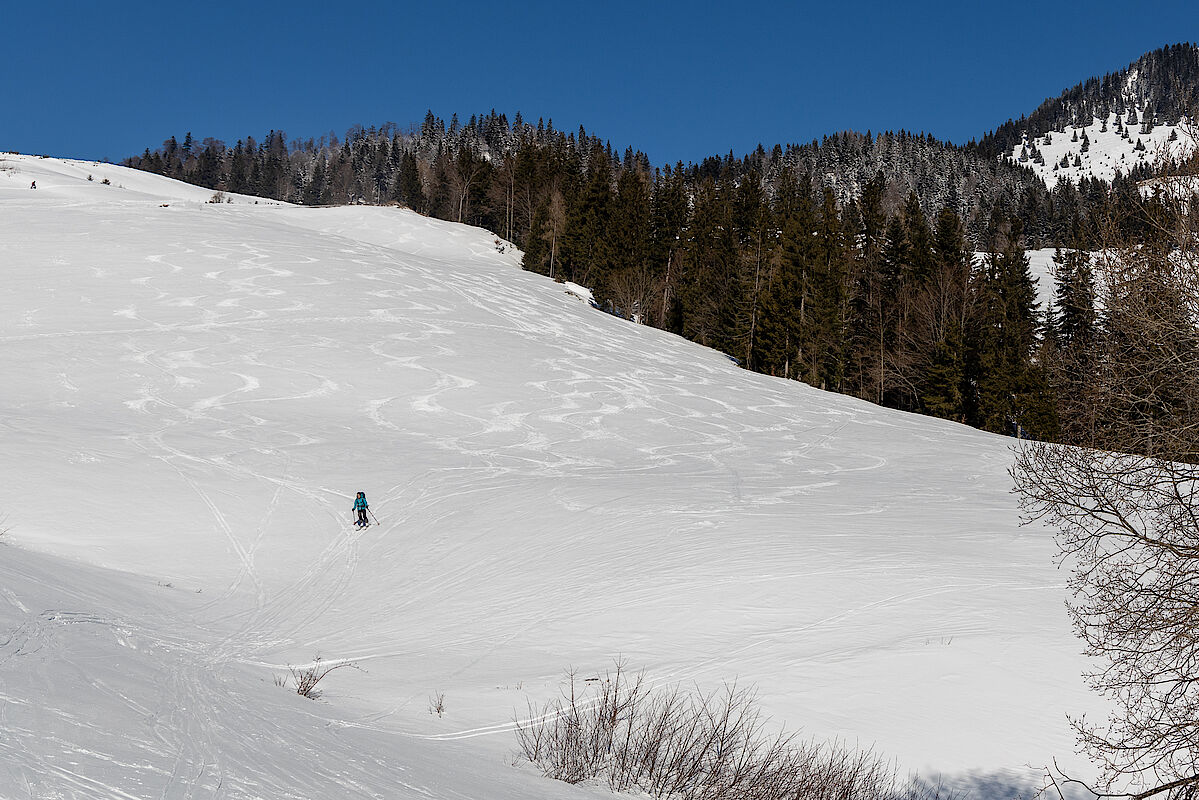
column 678, row 80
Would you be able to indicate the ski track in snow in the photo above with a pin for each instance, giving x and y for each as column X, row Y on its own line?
column 204, row 388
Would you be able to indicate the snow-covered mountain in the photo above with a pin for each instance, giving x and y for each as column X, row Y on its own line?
column 194, row 392
column 1119, row 122
column 1113, row 144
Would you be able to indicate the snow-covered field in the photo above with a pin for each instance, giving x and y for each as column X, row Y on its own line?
column 193, row 393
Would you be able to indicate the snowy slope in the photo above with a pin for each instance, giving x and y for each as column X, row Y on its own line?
column 1100, row 149
column 84, row 181
column 197, row 391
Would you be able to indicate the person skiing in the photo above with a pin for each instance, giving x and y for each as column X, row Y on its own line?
column 361, row 506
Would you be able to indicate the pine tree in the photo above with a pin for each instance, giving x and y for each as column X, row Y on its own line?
column 314, row 192
column 871, row 297
column 940, row 319
column 586, row 254
column 1075, row 299
column 668, row 219
column 1013, row 389
column 785, row 301
column 754, row 224
column 824, row 329
column 709, row 290
column 629, row 281
column 408, row 188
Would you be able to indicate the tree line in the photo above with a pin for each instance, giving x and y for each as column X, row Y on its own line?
column 908, row 287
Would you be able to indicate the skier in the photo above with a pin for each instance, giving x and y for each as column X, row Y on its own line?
column 361, row 506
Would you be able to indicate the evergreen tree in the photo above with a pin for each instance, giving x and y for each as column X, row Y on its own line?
column 871, row 297
column 586, row 251
column 823, row 332
column 781, row 350
column 1013, row 389
column 709, row 290
column 1075, row 299
column 668, row 219
column 940, row 321
column 408, row 189
column 314, row 192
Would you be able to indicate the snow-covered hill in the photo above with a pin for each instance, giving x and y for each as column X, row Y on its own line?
column 1110, row 145
column 194, row 393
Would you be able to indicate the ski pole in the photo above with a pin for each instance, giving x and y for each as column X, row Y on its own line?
column 372, row 513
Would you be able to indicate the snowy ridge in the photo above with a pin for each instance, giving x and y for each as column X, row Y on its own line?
column 202, row 389
column 1105, row 147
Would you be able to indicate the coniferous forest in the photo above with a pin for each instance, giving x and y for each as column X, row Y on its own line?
column 891, row 267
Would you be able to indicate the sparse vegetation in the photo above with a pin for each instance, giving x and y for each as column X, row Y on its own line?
column 667, row 743
column 437, row 704
column 305, row 679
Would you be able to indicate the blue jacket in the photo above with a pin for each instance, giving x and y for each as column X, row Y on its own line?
column 360, row 503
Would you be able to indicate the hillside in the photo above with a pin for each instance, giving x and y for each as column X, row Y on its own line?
column 1103, row 148
column 1155, row 95
column 200, row 390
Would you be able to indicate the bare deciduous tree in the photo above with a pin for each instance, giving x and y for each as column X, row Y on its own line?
column 632, row 289
column 1129, row 526
column 1125, row 503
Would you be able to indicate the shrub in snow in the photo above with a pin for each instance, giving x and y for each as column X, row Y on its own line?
column 106, row 182
column 437, row 704
column 669, row 743
column 306, row 678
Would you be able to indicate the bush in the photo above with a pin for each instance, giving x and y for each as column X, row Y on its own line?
column 667, row 742
column 306, row 678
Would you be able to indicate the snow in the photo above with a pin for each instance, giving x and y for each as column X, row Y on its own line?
column 1108, row 151
column 1044, row 274
column 66, row 179
column 196, row 393
column 581, row 292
